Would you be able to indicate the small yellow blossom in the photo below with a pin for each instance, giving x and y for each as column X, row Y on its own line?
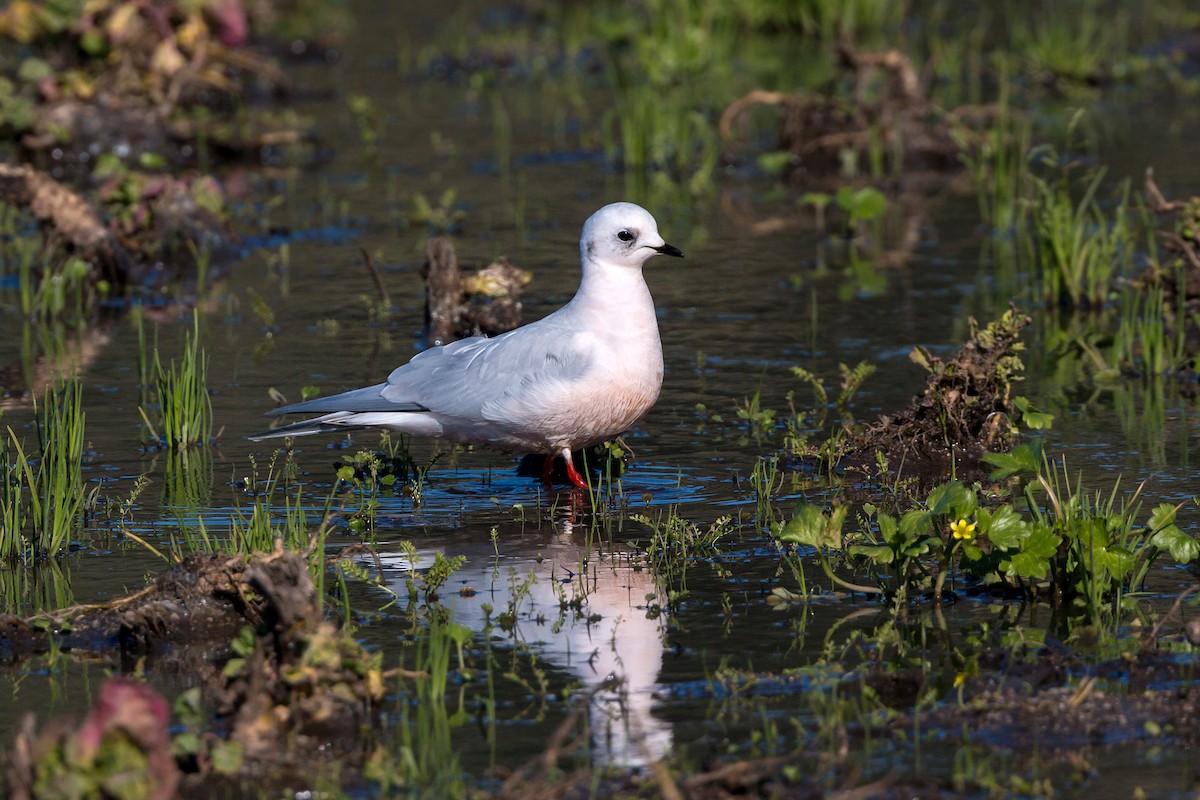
column 960, row 679
column 963, row 530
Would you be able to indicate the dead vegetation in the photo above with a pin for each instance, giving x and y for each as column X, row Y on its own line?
column 458, row 304
column 109, row 103
column 888, row 116
column 153, row 221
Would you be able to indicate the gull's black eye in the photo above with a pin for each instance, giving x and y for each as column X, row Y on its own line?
column 625, row 236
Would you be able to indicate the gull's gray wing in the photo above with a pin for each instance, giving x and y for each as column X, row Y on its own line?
column 469, row 378
column 370, row 398
column 464, row 378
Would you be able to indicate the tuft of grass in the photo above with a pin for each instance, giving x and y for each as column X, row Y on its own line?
column 1080, row 250
column 184, row 404
column 42, row 506
column 998, row 162
column 1144, row 343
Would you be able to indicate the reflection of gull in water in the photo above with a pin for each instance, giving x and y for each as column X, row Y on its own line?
column 611, row 637
column 584, row 374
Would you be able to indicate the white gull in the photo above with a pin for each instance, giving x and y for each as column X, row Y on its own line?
column 580, row 376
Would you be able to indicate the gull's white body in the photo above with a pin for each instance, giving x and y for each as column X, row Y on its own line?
column 582, row 375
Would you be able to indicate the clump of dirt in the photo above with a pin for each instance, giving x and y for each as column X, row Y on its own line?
column 304, row 688
column 966, row 409
column 291, row 692
column 892, row 116
column 125, row 78
column 108, row 102
column 203, row 599
column 458, row 304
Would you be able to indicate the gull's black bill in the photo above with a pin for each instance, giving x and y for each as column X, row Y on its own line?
column 670, row 250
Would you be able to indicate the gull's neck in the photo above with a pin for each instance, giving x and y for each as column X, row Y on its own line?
column 609, row 288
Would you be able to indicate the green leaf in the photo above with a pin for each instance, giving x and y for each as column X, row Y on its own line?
column 1036, row 551
column 774, row 163
column 1003, row 527
column 1162, row 517
column 915, row 523
column 227, row 757
column 1184, row 549
column 877, row 553
column 952, row 499
column 815, row 199
column 1025, row 460
column 887, row 527
column 152, row 160
column 1030, row 417
column 813, row 527
column 33, row 69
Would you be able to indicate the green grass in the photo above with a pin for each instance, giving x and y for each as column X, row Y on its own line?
column 998, row 162
column 42, row 500
column 1080, row 249
column 1144, row 344
column 185, row 409
column 44, row 587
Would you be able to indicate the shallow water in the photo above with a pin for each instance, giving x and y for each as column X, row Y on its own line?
column 735, row 314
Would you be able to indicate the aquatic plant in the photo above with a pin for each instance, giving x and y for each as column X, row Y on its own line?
column 425, row 754
column 1080, row 249
column 1064, row 43
column 185, row 408
column 998, row 161
column 444, row 217
column 1086, row 551
column 37, row 588
column 42, row 506
column 1144, row 343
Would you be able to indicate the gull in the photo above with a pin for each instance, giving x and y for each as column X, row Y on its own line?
column 578, row 377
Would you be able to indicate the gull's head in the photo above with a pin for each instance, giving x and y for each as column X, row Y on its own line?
column 623, row 235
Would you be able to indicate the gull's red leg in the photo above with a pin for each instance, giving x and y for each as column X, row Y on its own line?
column 572, row 473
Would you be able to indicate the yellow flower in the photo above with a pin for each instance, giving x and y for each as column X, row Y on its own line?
column 963, row 530
column 960, row 679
